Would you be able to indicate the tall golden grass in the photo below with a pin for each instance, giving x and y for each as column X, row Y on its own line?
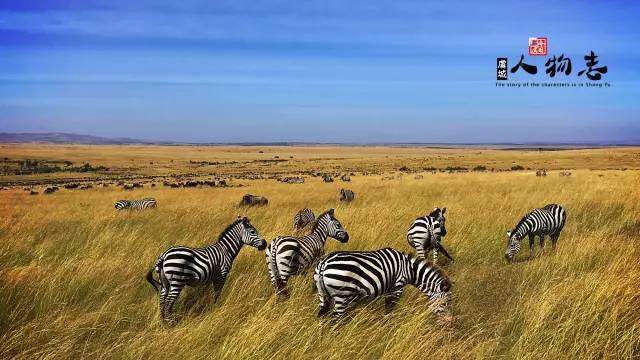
column 72, row 272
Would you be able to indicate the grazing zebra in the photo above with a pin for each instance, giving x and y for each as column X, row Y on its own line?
column 303, row 218
column 181, row 266
column 426, row 232
column 290, row 255
column 146, row 203
column 347, row 277
column 540, row 222
column 347, row 195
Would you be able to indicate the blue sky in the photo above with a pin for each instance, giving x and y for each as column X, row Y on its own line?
column 321, row 71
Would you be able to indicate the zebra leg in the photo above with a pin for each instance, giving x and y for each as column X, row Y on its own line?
column 392, row 299
column 532, row 239
column 170, row 300
column 541, row 243
column 217, row 289
column 435, row 256
column 285, row 273
column 163, row 301
column 554, row 240
column 325, row 304
column 420, row 252
column 342, row 305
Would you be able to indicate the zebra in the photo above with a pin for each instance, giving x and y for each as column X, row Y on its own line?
column 347, row 195
column 548, row 220
column 347, row 277
column 290, row 255
column 425, row 234
column 303, row 218
column 146, row 203
column 181, row 266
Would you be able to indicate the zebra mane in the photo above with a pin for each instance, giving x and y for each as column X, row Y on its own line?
column 229, row 228
column 524, row 218
column 316, row 222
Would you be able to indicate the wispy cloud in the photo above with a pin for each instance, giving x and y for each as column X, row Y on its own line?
column 399, row 65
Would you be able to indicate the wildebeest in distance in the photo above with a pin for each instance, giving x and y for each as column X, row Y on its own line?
column 253, row 200
column 347, row 195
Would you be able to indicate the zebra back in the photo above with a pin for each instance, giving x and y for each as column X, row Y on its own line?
column 549, row 219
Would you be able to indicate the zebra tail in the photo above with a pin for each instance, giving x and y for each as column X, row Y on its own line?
column 320, row 286
column 273, row 263
column 443, row 251
column 156, row 284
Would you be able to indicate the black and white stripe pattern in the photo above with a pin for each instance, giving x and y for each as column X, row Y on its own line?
column 290, row 255
column 548, row 220
column 181, row 266
column 347, row 277
column 303, row 218
column 425, row 234
column 146, row 203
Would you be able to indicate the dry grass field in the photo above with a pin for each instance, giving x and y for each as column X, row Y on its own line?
column 72, row 268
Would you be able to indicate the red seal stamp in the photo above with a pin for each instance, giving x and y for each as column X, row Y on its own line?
column 538, row 46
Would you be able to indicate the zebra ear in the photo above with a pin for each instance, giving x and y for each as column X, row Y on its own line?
column 509, row 233
column 331, row 212
column 444, row 210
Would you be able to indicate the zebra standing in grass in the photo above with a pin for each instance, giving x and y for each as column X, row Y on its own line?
column 548, row 220
column 181, row 266
column 347, row 277
column 426, row 233
column 303, row 218
column 290, row 255
column 146, row 203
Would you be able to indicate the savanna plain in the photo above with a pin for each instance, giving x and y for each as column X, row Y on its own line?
column 72, row 268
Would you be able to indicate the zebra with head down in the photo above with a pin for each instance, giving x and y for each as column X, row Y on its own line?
column 345, row 278
column 146, row 203
column 548, row 220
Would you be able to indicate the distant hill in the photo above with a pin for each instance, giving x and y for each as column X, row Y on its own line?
column 69, row 138
column 65, row 138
